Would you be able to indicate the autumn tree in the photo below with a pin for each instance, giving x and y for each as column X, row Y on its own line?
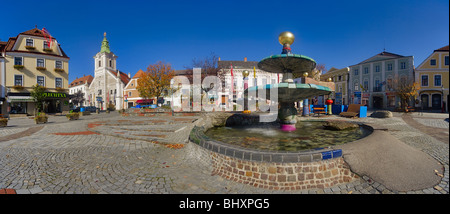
column 155, row 80
column 406, row 89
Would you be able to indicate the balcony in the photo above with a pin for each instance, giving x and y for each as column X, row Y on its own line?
column 377, row 89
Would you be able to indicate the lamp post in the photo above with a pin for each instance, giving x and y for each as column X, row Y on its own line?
column 442, row 99
column 245, row 74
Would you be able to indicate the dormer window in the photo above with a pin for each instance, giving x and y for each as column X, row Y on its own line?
column 29, row 42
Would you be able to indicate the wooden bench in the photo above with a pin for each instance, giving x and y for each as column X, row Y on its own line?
column 352, row 111
column 319, row 110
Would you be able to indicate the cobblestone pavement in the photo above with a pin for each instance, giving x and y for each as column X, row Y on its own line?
column 108, row 154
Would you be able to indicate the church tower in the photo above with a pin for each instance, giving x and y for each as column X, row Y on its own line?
column 107, row 86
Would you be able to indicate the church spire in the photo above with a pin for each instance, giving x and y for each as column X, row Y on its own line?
column 105, row 45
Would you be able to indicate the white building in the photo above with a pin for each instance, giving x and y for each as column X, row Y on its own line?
column 108, row 83
column 82, row 84
column 256, row 77
column 371, row 81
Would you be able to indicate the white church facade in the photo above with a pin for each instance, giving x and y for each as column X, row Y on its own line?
column 108, row 84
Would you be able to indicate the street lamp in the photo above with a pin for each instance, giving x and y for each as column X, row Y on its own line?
column 442, row 99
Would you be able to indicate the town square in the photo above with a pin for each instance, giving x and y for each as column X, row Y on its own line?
column 273, row 108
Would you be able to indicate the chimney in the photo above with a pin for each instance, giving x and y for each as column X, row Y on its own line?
column 129, row 75
column 219, row 58
column 245, row 59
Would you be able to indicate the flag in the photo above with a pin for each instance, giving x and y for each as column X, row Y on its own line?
column 232, row 79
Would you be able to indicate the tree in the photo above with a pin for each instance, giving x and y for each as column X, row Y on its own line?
column 78, row 98
column 37, row 93
column 405, row 89
column 209, row 66
column 155, row 80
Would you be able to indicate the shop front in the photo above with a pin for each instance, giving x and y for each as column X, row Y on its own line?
column 24, row 104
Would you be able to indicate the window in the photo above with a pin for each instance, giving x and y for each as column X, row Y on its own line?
column 424, row 80
column 402, row 65
column 356, row 86
column 18, row 60
column 390, row 84
column 366, row 70
column 100, row 92
column 18, row 80
column 99, row 63
column 58, row 64
column 129, row 94
column 433, row 62
column 389, row 68
column 377, row 86
column 446, row 60
column 339, row 78
column 58, row 82
column 377, row 68
column 46, row 45
column 41, row 80
column 110, row 63
column 40, row 63
column 356, row 72
column 366, row 85
column 29, row 42
column 437, row 80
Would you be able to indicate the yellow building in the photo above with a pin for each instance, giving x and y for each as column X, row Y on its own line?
column 31, row 58
column 339, row 77
column 432, row 75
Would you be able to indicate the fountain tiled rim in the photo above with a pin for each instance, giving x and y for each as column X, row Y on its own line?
column 198, row 137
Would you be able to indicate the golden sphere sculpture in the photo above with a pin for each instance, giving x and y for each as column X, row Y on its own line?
column 329, row 79
column 286, row 38
column 305, row 74
column 245, row 73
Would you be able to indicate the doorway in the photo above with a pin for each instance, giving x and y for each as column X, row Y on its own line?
column 424, row 100
column 377, row 102
column 436, row 101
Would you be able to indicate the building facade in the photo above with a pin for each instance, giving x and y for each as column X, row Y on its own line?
column 371, row 82
column 30, row 58
column 340, row 78
column 82, row 84
column 131, row 94
column 108, row 83
column 433, row 76
column 235, row 80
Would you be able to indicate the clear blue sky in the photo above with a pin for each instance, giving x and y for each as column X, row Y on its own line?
column 334, row 33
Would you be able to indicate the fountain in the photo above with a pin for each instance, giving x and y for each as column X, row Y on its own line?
column 289, row 65
column 283, row 154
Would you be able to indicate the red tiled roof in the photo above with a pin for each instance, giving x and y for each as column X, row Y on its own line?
column 32, row 32
column 82, row 80
column 445, row 48
column 138, row 74
column 123, row 77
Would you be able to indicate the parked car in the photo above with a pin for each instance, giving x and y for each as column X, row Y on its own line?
column 90, row 108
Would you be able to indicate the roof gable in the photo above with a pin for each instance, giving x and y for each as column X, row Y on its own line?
column 381, row 56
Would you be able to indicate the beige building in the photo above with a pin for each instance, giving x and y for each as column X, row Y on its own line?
column 131, row 94
column 339, row 77
column 30, row 58
column 432, row 75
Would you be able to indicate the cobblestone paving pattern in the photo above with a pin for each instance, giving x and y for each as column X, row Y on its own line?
column 109, row 159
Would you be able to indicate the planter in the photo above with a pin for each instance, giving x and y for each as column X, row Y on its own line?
column 18, row 66
column 41, row 119
column 73, row 116
column 84, row 113
column 59, row 70
column 3, row 122
column 48, row 50
column 41, row 68
column 30, row 47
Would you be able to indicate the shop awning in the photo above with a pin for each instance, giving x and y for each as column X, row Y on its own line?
column 20, row 99
column 144, row 101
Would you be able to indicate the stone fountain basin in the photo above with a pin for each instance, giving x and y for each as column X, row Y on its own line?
column 291, row 92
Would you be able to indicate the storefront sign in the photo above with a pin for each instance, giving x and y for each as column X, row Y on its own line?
column 55, row 95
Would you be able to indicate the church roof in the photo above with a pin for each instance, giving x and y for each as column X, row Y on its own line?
column 105, row 45
column 123, row 77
